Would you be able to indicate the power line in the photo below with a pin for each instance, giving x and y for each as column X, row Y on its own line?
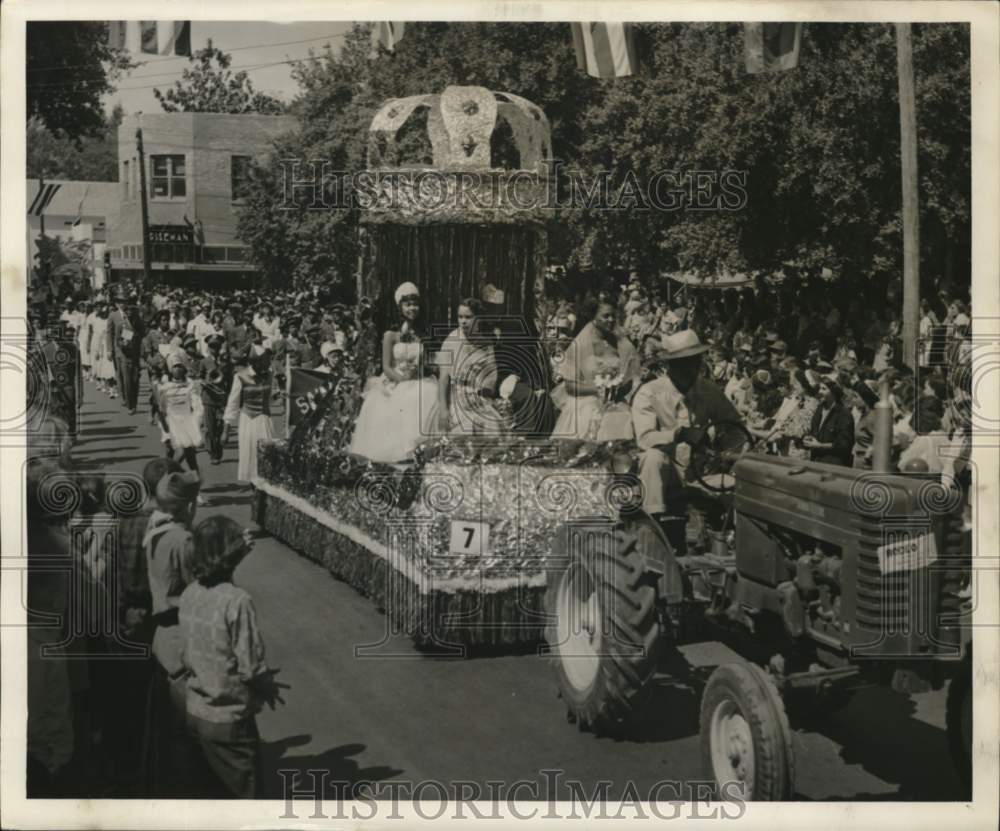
column 156, row 75
column 58, row 67
column 77, row 82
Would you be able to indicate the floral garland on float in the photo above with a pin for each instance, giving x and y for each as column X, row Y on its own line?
column 389, row 530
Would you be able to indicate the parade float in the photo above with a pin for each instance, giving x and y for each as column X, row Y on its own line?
column 453, row 545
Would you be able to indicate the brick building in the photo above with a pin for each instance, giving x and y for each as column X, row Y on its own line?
column 196, row 164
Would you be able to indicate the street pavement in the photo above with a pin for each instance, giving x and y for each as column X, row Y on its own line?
column 415, row 718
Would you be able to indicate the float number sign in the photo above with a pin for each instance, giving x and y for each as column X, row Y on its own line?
column 469, row 537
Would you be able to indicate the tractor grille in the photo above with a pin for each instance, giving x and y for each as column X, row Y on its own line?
column 956, row 560
column 883, row 600
column 923, row 603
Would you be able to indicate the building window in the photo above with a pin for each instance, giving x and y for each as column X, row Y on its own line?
column 239, row 173
column 171, row 252
column 168, row 177
column 125, row 179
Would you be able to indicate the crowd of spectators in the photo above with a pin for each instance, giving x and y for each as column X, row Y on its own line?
column 794, row 365
column 777, row 351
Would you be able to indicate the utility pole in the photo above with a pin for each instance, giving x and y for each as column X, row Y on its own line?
column 146, row 253
column 41, row 213
column 911, row 216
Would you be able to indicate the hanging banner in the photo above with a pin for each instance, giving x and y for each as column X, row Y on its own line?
column 301, row 383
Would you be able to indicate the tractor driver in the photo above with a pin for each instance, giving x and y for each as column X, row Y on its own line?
column 667, row 413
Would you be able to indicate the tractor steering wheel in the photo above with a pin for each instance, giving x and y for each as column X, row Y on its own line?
column 723, row 443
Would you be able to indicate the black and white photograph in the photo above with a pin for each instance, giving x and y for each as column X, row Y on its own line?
column 500, row 413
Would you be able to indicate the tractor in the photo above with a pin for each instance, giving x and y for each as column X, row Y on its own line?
column 825, row 579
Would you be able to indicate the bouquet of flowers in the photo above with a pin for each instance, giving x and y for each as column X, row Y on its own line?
column 608, row 377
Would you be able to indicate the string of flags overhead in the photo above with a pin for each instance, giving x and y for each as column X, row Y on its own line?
column 772, row 47
column 390, row 33
column 603, row 50
column 607, row 50
column 152, row 37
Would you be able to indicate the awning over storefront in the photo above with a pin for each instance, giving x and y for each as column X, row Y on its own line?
column 713, row 281
column 727, row 280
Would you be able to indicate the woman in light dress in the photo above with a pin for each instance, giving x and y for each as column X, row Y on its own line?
column 468, row 377
column 83, row 339
column 599, row 366
column 398, row 412
column 100, row 355
column 791, row 423
column 180, row 402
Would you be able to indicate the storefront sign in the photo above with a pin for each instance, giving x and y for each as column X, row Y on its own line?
column 171, row 233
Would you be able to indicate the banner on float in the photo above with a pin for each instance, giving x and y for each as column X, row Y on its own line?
column 300, row 383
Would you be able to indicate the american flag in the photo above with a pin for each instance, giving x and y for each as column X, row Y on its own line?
column 42, row 199
column 605, row 50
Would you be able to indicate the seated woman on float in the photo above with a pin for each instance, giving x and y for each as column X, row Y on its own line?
column 599, row 368
column 399, row 406
column 468, row 377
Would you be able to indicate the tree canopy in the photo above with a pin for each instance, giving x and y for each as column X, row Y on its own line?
column 210, row 86
column 70, row 67
column 88, row 159
column 818, row 145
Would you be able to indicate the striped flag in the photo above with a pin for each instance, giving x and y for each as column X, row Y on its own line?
column 772, row 47
column 390, row 33
column 605, row 50
column 154, row 37
column 42, row 199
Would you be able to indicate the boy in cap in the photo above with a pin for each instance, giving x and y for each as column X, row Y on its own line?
column 169, row 550
column 223, row 651
column 132, row 677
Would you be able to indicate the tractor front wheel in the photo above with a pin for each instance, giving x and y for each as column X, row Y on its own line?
column 603, row 629
column 746, row 743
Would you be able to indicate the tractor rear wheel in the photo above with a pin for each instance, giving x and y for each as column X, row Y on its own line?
column 603, row 629
column 746, row 743
column 958, row 720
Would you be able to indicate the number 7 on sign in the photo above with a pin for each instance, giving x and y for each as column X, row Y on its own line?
column 469, row 537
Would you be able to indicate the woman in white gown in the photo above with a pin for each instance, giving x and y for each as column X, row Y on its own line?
column 400, row 404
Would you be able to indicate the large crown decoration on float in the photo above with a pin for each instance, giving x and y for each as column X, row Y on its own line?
column 464, row 126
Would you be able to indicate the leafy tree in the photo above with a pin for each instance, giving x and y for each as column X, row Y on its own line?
column 819, row 145
column 90, row 159
column 70, row 68
column 211, row 87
